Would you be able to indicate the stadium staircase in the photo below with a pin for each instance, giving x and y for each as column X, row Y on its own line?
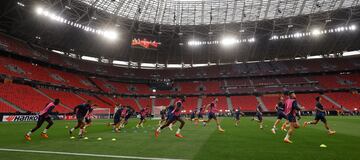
column 17, row 108
column 262, row 104
column 138, row 103
column 229, row 103
column 44, row 94
column 334, row 102
column 199, row 103
column 95, row 84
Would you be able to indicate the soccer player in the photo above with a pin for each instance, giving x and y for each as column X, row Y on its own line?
column 320, row 115
column 200, row 116
column 291, row 108
column 259, row 115
column 88, row 120
column 123, row 115
column 163, row 116
column 130, row 112
column 81, row 112
column 280, row 108
column 212, row 107
column 193, row 116
column 143, row 114
column 173, row 117
column 117, row 118
column 237, row 113
column 44, row 116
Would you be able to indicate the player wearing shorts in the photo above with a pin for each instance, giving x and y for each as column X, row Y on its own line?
column 175, row 116
column 320, row 116
column 44, row 116
column 259, row 116
column 117, row 119
column 143, row 114
column 193, row 116
column 81, row 111
column 130, row 112
column 291, row 108
column 280, row 108
column 212, row 107
column 88, row 119
column 237, row 113
column 163, row 116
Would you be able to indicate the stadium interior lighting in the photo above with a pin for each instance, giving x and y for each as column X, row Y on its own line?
column 315, row 32
column 108, row 34
column 21, row 4
column 228, row 41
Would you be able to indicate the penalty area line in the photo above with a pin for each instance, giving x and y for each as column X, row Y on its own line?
column 84, row 154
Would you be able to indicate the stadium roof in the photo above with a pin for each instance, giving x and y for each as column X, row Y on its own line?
column 200, row 12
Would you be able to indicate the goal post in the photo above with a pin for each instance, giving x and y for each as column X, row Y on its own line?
column 101, row 113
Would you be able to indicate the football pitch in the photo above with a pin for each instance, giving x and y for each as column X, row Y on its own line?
column 246, row 141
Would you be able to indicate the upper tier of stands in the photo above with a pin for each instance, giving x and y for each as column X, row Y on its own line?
column 234, row 70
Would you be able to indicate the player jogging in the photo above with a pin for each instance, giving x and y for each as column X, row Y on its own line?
column 320, row 115
column 237, row 113
column 280, row 108
column 174, row 116
column 259, row 115
column 44, row 116
column 143, row 114
column 81, row 112
column 291, row 108
column 212, row 107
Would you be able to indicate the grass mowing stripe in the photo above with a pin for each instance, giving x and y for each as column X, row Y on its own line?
column 84, row 154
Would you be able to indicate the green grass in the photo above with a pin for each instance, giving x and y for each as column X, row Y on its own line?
column 246, row 141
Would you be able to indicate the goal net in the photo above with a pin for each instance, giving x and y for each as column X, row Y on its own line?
column 101, row 113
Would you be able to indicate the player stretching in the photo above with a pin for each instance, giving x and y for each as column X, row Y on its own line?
column 320, row 115
column 81, row 112
column 44, row 116
column 173, row 117
column 291, row 108
column 280, row 108
column 237, row 113
column 212, row 111
column 259, row 116
column 143, row 114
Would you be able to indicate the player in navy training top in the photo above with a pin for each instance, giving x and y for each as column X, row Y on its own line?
column 175, row 115
column 81, row 111
column 259, row 115
column 237, row 114
column 117, row 119
column 280, row 108
column 320, row 115
column 44, row 116
column 162, row 115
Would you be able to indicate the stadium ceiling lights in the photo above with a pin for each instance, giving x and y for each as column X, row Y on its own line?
column 315, row 32
column 108, row 34
column 226, row 42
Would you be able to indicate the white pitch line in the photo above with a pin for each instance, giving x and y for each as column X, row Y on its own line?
column 84, row 154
